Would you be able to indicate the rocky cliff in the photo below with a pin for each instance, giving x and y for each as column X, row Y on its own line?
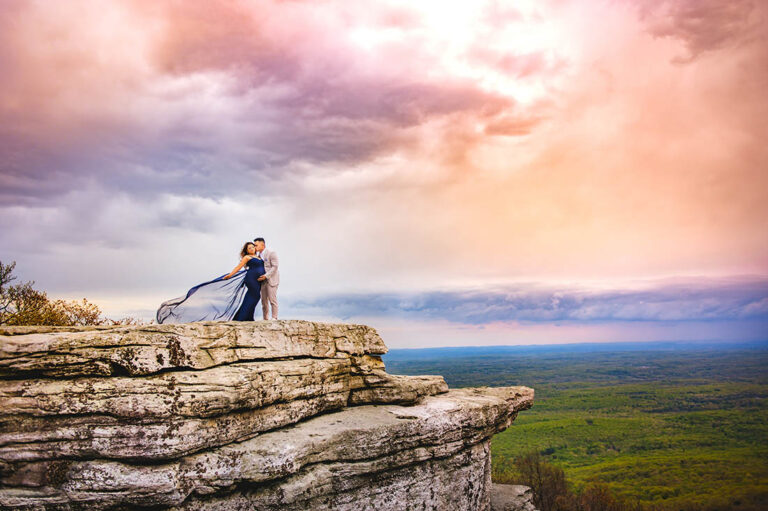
column 224, row 416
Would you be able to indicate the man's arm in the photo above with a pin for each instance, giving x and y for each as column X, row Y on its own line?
column 272, row 265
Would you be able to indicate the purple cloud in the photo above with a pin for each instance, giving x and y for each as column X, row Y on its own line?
column 680, row 300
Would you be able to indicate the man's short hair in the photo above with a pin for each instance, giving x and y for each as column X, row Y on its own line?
column 260, row 239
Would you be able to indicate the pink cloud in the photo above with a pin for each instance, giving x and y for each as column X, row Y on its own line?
column 598, row 139
column 703, row 25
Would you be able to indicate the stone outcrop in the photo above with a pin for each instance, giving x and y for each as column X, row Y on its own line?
column 246, row 415
column 511, row 497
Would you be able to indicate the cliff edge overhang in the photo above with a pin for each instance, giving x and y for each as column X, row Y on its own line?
column 239, row 415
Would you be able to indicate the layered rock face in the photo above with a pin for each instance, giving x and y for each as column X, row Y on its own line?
column 242, row 415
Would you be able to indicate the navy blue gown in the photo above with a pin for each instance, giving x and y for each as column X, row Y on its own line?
column 255, row 269
column 233, row 299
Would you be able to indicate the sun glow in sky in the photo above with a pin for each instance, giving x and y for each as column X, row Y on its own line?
column 463, row 173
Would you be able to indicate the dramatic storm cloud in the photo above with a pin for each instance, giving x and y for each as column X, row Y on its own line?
column 459, row 166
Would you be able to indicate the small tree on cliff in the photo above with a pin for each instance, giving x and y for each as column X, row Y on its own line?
column 550, row 488
column 598, row 497
column 21, row 304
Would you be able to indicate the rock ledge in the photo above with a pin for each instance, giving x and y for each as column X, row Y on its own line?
column 262, row 415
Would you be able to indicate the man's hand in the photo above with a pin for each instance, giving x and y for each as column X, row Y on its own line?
column 263, row 277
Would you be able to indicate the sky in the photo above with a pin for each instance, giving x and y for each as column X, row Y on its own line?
column 451, row 173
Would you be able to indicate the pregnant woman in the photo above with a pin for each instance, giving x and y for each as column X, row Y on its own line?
column 231, row 297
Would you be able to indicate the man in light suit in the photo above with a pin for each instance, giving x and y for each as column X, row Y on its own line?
column 270, row 280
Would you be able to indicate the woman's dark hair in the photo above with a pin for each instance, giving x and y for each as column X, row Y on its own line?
column 244, row 250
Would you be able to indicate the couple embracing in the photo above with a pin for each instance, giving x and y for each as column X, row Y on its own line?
column 234, row 296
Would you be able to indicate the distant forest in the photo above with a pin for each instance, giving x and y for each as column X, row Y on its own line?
column 640, row 426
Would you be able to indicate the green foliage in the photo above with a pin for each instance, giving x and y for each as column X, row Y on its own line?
column 553, row 493
column 677, row 430
column 643, row 449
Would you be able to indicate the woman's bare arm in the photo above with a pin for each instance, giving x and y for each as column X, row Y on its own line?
column 237, row 268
